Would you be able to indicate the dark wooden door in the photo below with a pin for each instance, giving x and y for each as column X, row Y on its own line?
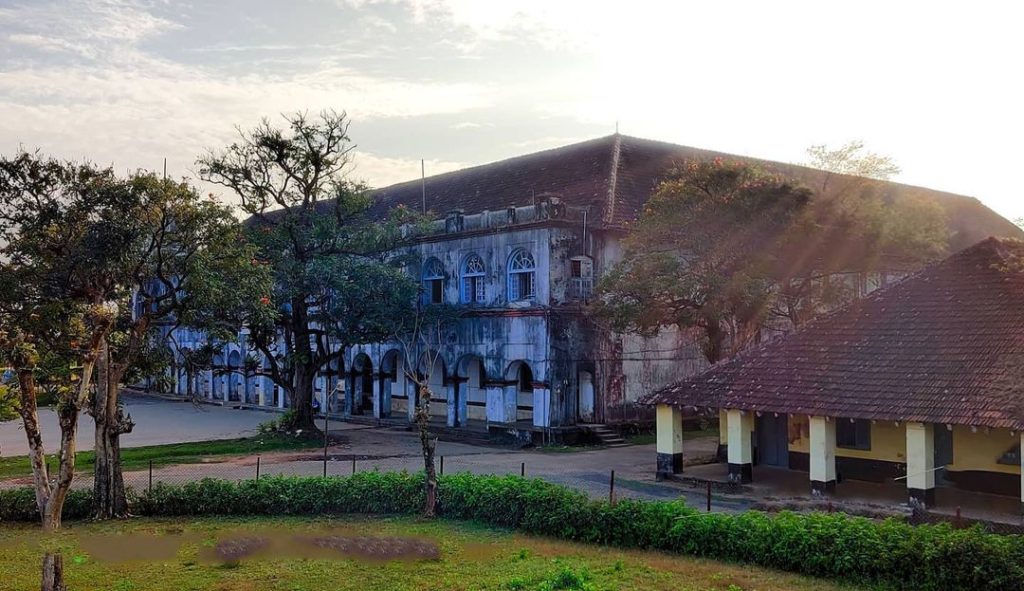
column 772, row 440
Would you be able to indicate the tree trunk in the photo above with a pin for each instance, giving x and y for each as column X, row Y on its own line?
column 36, row 455
column 428, row 444
column 302, row 397
column 109, row 499
column 53, row 573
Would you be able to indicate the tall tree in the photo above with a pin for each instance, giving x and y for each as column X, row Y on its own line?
column 337, row 280
column 182, row 259
column 859, row 225
column 703, row 255
column 423, row 336
column 147, row 249
column 54, row 310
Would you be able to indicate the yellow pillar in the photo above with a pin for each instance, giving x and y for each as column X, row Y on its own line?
column 822, row 455
column 921, row 463
column 741, row 450
column 669, row 435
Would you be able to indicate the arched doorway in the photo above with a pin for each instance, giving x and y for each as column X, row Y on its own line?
column 584, row 396
column 432, row 368
column 394, row 398
column 471, row 370
column 362, row 385
column 234, row 376
column 520, row 389
column 335, row 384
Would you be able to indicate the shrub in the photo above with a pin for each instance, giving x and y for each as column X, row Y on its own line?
column 836, row 546
column 19, row 504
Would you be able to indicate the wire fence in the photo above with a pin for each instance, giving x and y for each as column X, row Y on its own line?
column 595, row 484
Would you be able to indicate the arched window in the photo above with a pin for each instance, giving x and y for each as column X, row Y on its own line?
column 433, row 281
column 473, row 280
column 522, row 276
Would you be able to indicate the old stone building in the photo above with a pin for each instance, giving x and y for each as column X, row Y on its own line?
column 518, row 244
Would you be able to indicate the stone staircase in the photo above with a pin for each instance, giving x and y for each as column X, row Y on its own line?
column 606, row 435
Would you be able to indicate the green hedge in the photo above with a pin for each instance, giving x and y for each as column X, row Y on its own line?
column 834, row 546
column 19, row 504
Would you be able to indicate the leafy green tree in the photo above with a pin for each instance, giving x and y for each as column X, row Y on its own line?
column 704, row 255
column 183, row 259
column 54, row 310
column 148, row 250
column 337, row 280
column 853, row 160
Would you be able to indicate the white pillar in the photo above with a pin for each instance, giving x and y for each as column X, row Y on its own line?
column 208, row 386
column 669, row 435
column 495, row 404
column 823, row 455
column 541, row 407
column 451, row 394
column 323, row 396
column 921, row 463
column 280, row 397
column 378, row 412
column 411, row 391
column 261, row 397
column 741, row 452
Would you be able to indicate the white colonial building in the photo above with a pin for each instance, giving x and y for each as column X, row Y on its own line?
column 519, row 243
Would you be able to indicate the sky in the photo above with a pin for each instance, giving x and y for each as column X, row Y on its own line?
column 935, row 85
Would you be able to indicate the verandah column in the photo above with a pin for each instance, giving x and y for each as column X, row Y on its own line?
column 669, row 435
column 823, row 455
column 921, row 463
column 1020, row 455
column 740, row 446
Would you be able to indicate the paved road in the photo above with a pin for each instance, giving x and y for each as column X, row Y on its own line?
column 160, row 421
column 157, row 422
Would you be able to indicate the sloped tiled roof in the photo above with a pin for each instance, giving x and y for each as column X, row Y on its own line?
column 616, row 174
column 945, row 345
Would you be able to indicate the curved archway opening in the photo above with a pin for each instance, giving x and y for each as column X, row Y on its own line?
column 362, row 384
column 519, row 377
column 472, row 387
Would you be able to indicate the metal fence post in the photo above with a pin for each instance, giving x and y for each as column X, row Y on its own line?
column 442, row 465
column 611, row 489
column 709, row 496
column 522, row 470
column 353, row 465
column 257, row 468
column 150, row 489
column 325, row 443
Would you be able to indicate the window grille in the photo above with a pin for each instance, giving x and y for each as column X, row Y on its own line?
column 522, row 276
column 473, row 285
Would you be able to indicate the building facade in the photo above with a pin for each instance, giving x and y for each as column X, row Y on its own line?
column 918, row 384
column 518, row 245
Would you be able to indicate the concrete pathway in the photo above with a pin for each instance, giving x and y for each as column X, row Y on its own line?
column 157, row 422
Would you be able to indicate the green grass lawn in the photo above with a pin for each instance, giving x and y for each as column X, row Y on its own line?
column 138, row 458
column 471, row 557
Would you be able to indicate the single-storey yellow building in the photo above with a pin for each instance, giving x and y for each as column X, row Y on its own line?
column 922, row 381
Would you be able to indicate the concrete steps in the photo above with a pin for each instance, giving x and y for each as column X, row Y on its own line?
column 606, row 435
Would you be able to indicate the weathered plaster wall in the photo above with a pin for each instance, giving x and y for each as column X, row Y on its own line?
column 980, row 450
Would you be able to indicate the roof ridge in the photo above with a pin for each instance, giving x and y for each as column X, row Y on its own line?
column 613, row 179
column 528, row 155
